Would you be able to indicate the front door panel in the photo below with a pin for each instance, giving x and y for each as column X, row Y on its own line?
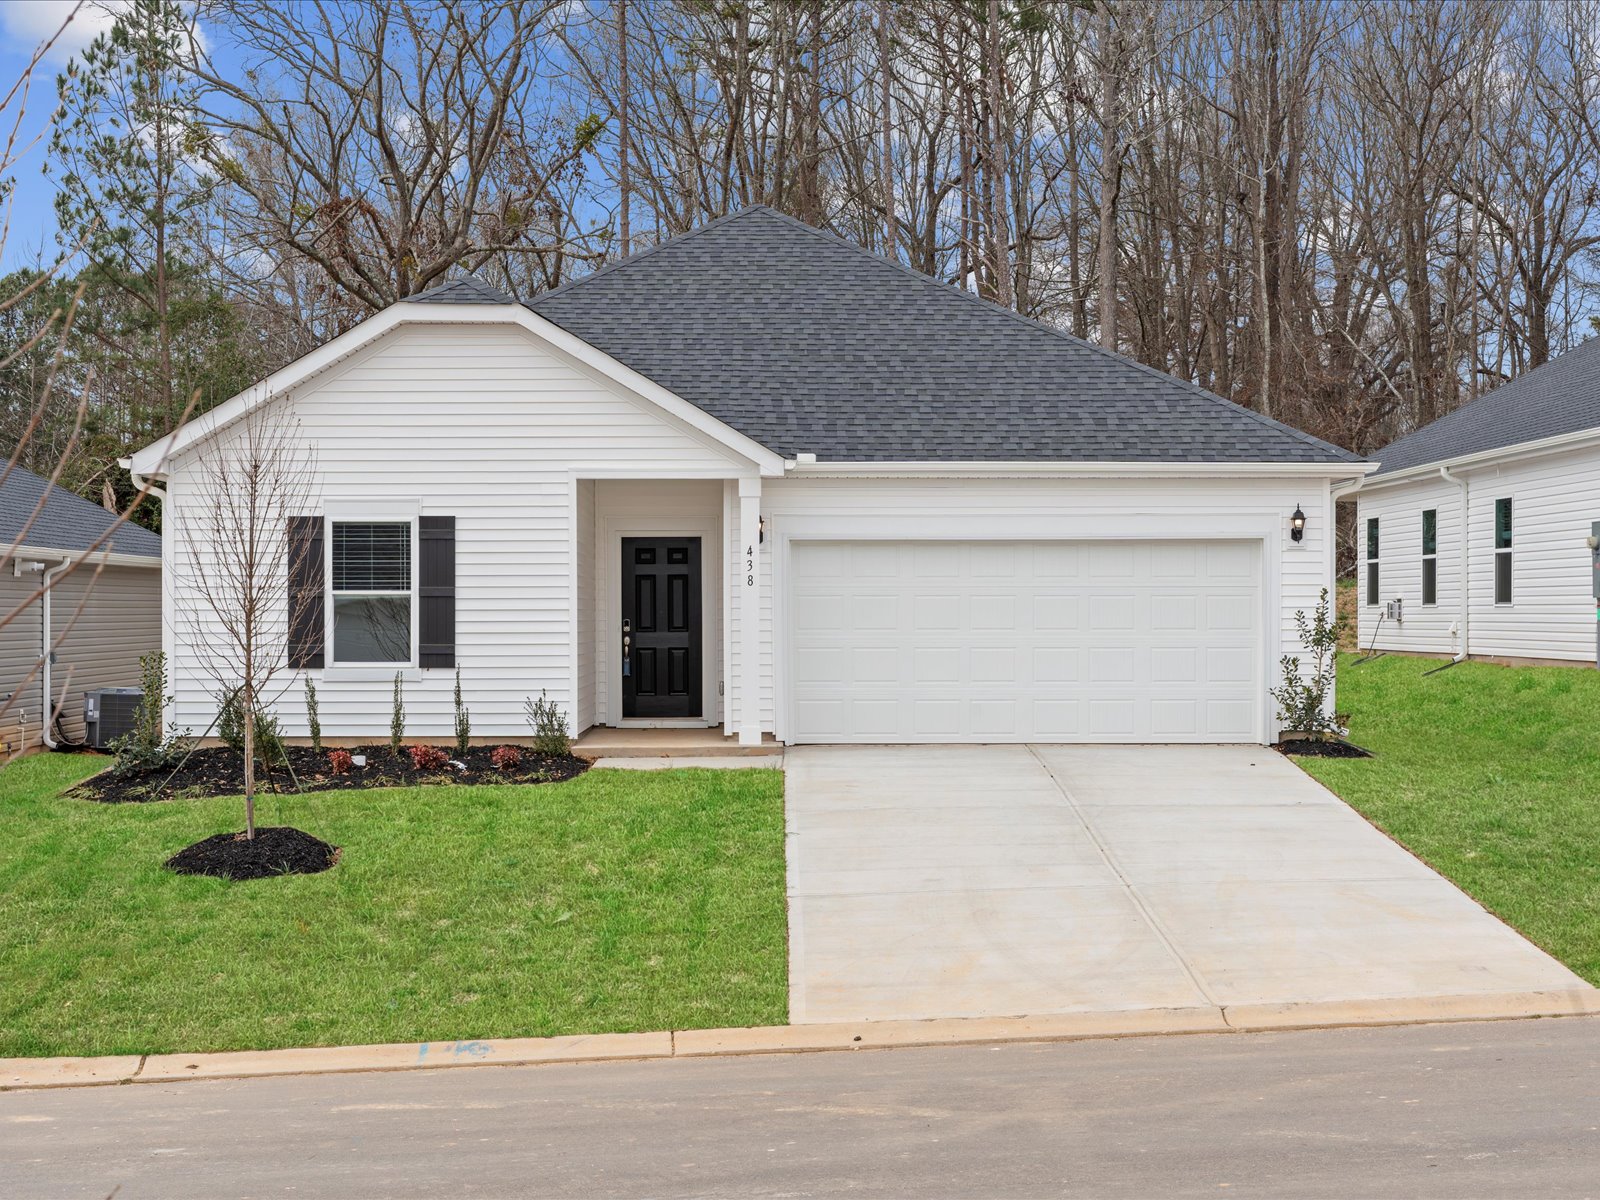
column 661, row 627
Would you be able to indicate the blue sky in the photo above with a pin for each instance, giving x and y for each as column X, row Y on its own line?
column 25, row 24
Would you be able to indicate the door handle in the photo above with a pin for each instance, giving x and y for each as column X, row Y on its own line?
column 627, row 647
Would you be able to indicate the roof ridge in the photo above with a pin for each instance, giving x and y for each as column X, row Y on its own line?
column 1033, row 323
column 676, row 239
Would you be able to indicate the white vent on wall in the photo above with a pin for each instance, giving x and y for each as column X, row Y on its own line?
column 1394, row 610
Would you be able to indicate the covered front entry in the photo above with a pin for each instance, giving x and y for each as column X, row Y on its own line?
column 999, row 641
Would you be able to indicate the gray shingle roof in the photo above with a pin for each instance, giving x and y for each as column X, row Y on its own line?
column 67, row 522
column 467, row 290
column 1563, row 396
column 808, row 344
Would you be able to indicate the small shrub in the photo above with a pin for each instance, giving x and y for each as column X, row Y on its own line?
column 147, row 717
column 340, row 762
column 463, row 721
column 148, row 748
column 230, row 728
column 397, row 718
column 549, row 725
column 428, row 758
column 506, row 758
column 313, row 718
column 1303, row 703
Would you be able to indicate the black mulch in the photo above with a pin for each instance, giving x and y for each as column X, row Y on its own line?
column 1318, row 748
column 219, row 771
column 275, row 850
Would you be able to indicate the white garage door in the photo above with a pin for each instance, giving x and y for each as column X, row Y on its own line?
column 1025, row 641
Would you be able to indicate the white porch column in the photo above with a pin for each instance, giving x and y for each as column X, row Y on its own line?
column 747, row 581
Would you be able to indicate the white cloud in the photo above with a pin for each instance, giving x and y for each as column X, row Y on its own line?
column 30, row 23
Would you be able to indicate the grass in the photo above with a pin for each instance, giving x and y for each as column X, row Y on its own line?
column 621, row 900
column 1492, row 776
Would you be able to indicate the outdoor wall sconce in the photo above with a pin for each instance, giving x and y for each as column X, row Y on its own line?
column 761, row 530
column 1297, row 524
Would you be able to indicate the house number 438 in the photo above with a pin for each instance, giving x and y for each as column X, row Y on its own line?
column 750, row 566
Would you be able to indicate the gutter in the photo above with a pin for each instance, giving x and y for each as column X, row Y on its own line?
column 140, row 481
column 805, row 464
column 46, row 653
column 1562, row 441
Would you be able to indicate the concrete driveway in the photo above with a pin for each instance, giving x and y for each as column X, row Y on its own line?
column 944, row 881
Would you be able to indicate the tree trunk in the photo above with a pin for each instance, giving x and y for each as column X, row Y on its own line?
column 891, row 234
column 1110, row 183
column 622, row 129
column 248, row 700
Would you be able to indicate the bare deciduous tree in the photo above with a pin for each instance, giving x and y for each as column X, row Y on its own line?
column 238, row 560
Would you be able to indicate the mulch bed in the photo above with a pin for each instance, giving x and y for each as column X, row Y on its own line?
column 275, row 850
column 1317, row 748
column 218, row 771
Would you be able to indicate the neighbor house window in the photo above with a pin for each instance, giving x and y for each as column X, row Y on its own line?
column 1430, row 556
column 1502, row 551
column 371, row 589
column 1372, row 560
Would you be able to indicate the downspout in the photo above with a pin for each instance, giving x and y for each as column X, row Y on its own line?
column 1466, row 558
column 46, row 652
column 140, row 482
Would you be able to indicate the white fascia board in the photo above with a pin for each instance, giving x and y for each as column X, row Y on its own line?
column 90, row 558
column 1487, row 458
column 151, row 459
column 1042, row 467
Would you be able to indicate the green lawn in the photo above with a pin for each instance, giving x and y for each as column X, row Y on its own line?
column 1492, row 775
column 622, row 900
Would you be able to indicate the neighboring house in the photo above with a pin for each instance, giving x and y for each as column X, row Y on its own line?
column 101, row 616
column 1504, row 493
column 813, row 493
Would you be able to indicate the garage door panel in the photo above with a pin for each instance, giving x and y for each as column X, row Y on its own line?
column 1015, row 641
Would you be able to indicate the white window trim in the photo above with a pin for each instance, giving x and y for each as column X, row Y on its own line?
column 1372, row 596
column 1511, row 581
column 1433, row 558
column 345, row 513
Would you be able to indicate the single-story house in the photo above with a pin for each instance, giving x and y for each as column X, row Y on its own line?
column 69, row 631
column 1503, row 493
column 758, row 477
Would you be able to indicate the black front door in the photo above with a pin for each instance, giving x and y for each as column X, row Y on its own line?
column 660, row 627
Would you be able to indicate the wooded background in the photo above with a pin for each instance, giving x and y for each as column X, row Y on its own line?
column 1352, row 216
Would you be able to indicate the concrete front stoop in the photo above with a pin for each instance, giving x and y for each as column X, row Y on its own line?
column 33, row 1073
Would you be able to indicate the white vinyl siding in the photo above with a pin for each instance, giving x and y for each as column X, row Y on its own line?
column 1554, row 499
column 916, row 508
column 490, row 425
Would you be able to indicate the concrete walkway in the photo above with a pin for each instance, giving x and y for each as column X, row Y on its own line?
column 952, row 881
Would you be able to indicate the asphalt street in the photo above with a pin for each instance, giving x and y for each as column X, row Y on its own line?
column 1494, row 1109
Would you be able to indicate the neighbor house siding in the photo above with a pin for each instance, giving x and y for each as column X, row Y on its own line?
column 1555, row 498
column 1424, row 628
column 995, row 506
column 105, row 623
column 487, row 424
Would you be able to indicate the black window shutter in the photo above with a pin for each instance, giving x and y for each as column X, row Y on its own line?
column 305, row 593
column 436, row 537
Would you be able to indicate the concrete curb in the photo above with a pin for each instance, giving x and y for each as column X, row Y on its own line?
column 36, row 1073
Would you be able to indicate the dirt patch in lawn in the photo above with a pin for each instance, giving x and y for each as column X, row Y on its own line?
column 219, row 771
column 1316, row 748
column 275, row 850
